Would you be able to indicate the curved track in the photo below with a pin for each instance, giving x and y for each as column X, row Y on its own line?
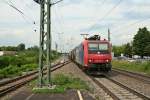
column 13, row 84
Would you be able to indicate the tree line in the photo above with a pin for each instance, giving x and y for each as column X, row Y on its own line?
column 139, row 46
column 20, row 47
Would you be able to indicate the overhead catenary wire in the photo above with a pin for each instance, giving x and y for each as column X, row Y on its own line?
column 32, row 16
column 126, row 26
column 131, row 24
column 62, row 19
column 94, row 25
column 129, row 27
column 59, row 20
column 10, row 3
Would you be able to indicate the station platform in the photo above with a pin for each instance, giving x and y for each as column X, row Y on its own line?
column 68, row 95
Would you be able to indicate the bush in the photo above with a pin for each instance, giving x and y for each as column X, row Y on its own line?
column 69, row 82
column 4, row 61
column 24, row 61
column 30, row 60
column 10, row 71
column 28, row 67
column 17, row 61
column 63, row 83
column 133, row 66
column 61, row 79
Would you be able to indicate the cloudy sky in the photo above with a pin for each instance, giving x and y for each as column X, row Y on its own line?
column 70, row 18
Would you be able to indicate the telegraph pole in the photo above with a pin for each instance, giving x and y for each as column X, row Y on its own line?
column 45, row 40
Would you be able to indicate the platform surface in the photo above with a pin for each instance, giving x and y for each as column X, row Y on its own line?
column 68, row 95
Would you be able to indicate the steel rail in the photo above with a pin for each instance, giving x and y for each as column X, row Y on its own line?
column 134, row 92
column 20, row 77
column 141, row 95
column 113, row 95
column 105, row 89
column 23, row 80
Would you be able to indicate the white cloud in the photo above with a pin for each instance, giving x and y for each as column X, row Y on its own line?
column 73, row 17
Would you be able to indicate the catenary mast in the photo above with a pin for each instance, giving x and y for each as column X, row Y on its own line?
column 45, row 40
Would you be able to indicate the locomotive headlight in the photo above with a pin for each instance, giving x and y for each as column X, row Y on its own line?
column 90, row 60
column 107, row 60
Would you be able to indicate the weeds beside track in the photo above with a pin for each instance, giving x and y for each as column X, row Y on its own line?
column 13, row 84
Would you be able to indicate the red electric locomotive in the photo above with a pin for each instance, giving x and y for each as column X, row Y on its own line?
column 93, row 54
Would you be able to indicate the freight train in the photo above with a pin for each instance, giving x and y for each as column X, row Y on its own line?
column 93, row 54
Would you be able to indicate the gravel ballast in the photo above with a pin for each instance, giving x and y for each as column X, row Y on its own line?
column 95, row 90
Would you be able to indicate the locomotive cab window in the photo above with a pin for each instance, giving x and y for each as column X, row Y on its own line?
column 93, row 46
column 103, row 46
column 98, row 47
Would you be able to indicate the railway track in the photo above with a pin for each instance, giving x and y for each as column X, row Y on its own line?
column 138, row 76
column 117, row 90
column 12, row 84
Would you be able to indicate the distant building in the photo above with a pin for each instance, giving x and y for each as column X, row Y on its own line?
column 5, row 53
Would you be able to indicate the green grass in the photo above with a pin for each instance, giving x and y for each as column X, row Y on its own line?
column 12, row 71
column 24, row 61
column 63, row 83
column 143, row 67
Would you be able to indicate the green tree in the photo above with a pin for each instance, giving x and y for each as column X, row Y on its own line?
column 128, row 50
column 21, row 47
column 34, row 48
column 4, row 61
column 147, row 50
column 8, row 48
column 118, row 50
column 140, row 41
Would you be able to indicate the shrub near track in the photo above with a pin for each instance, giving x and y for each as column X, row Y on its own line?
column 24, row 61
column 142, row 67
column 12, row 70
column 62, row 83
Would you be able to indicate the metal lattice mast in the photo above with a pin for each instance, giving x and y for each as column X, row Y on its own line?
column 45, row 39
column 42, row 41
column 49, row 41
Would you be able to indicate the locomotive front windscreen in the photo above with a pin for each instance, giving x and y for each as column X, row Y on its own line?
column 98, row 47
